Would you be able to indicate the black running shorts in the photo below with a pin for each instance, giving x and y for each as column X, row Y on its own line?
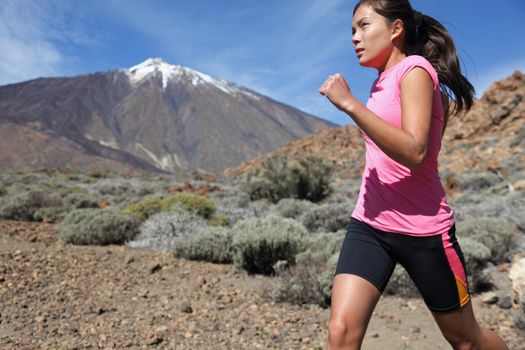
column 435, row 263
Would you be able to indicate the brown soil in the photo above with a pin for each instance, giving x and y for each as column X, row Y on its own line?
column 60, row 296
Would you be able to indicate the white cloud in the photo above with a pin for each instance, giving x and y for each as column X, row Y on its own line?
column 32, row 34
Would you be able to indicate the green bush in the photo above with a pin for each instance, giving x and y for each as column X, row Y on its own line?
column 259, row 243
column 306, row 178
column 23, row 206
column 192, row 202
column 212, row 244
column 145, row 207
column 97, row 226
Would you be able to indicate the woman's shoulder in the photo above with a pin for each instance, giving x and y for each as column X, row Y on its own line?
column 413, row 61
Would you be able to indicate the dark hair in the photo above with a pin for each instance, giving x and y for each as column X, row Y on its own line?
column 426, row 37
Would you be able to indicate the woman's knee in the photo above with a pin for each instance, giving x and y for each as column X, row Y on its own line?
column 462, row 344
column 341, row 334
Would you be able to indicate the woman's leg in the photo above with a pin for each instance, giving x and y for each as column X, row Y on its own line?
column 353, row 302
column 362, row 273
column 437, row 266
column 462, row 331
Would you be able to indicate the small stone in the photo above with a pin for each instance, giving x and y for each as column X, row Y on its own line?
column 154, row 268
column 186, row 307
column 153, row 338
column 505, row 302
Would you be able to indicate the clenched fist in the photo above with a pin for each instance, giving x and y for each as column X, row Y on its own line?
column 337, row 91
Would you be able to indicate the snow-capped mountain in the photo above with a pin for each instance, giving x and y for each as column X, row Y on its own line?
column 177, row 73
column 153, row 116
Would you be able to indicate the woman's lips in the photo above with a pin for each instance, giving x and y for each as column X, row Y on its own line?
column 359, row 52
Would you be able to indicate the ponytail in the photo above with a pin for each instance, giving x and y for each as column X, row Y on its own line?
column 426, row 37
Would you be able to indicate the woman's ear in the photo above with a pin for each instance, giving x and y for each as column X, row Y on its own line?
column 398, row 28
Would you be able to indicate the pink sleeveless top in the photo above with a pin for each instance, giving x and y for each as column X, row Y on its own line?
column 392, row 197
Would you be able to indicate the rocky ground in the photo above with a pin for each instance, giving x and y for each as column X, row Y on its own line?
column 60, row 296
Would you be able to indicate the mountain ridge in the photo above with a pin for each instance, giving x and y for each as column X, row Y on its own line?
column 173, row 118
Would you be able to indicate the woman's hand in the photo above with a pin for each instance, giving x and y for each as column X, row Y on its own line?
column 337, row 91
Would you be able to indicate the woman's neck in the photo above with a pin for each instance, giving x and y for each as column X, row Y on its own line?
column 392, row 60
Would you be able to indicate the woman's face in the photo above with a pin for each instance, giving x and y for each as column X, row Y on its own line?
column 371, row 36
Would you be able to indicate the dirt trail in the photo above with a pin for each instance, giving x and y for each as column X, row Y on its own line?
column 60, row 296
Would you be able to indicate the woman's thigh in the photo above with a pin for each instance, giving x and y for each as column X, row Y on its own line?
column 363, row 254
column 437, row 267
column 362, row 273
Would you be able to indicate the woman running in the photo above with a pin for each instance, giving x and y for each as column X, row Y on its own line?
column 402, row 214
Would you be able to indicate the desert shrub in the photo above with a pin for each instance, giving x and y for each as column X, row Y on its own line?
column 218, row 220
column 321, row 247
column 3, row 189
column 113, row 187
column 23, row 206
column 519, row 139
column 65, row 191
column 73, row 177
column 49, row 214
column 291, row 207
column 259, row 243
column 476, row 256
column 279, row 177
column 304, row 284
column 192, row 202
column 80, row 200
column 164, row 230
column 477, row 181
column 509, row 207
column 235, row 214
column 97, row 227
column 98, row 174
column 495, row 233
column 230, row 198
column 212, row 244
column 145, row 207
column 310, row 279
column 327, row 217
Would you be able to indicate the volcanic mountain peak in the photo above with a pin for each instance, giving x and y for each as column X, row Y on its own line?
column 172, row 72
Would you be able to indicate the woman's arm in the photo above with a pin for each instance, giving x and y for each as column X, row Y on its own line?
column 407, row 145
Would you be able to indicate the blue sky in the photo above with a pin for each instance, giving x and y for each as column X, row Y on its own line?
column 281, row 48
